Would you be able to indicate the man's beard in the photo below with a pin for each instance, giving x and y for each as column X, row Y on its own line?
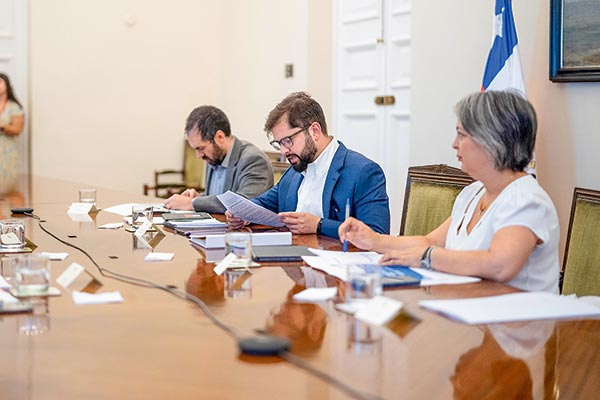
column 218, row 155
column 306, row 157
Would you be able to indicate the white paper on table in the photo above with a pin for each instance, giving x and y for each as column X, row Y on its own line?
column 159, row 256
column 315, row 294
column 347, row 258
column 527, row 306
column 320, row 263
column 124, row 210
column 111, row 225
column 4, row 285
column 155, row 220
column 432, row 278
column 55, row 256
column 97, row 298
column 243, row 208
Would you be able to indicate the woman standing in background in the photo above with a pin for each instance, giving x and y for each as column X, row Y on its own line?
column 11, row 125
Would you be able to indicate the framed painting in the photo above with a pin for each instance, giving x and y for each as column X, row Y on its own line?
column 574, row 40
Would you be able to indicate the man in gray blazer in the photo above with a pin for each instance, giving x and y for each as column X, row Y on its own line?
column 233, row 164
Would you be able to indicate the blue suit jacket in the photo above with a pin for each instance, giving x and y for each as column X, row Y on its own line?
column 351, row 176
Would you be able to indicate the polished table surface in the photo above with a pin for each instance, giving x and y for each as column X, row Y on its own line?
column 157, row 346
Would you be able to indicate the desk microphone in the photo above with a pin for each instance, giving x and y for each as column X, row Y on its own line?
column 21, row 210
column 264, row 345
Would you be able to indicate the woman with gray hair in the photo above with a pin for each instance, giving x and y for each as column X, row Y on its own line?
column 503, row 227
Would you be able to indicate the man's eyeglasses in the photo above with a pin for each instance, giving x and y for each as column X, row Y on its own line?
column 286, row 141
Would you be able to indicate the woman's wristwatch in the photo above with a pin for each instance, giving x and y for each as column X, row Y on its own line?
column 426, row 259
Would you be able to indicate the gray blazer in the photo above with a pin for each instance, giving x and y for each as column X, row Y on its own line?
column 249, row 174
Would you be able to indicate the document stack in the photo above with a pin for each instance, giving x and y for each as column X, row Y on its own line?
column 194, row 223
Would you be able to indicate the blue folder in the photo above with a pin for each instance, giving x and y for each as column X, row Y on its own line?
column 399, row 275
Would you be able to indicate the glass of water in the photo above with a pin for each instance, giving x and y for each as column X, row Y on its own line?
column 240, row 244
column 364, row 283
column 32, row 274
column 12, row 233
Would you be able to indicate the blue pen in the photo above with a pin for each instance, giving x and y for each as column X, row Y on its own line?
column 345, row 245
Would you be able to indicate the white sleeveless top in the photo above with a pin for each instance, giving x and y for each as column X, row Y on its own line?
column 522, row 203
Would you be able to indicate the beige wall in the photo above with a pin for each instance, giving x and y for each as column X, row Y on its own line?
column 98, row 85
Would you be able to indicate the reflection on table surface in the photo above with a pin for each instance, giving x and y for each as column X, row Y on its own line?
column 155, row 345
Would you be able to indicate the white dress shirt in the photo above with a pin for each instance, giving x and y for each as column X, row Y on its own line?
column 310, row 193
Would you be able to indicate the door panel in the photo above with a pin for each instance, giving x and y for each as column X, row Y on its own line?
column 372, row 49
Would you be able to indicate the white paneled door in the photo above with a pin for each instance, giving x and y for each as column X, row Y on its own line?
column 372, row 86
column 14, row 63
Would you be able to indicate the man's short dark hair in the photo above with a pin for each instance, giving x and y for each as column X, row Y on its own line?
column 208, row 120
column 301, row 110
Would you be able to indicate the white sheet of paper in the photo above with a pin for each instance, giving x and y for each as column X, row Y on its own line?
column 97, row 298
column 322, row 264
column 159, row 256
column 247, row 210
column 4, row 284
column 124, row 210
column 6, row 297
column 527, row 306
column 111, row 225
column 315, row 294
column 432, row 278
column 55, row 256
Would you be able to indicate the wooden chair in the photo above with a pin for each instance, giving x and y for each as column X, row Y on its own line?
column 279, row 163
column 429, row 197
column 171, row 181
column 581, row 263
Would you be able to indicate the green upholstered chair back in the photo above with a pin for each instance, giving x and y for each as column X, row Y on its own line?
column 170, row 181
column 194, row 168
column 429, row 197
column 581, row 266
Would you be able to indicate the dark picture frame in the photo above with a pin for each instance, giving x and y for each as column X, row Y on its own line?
column 574, row 40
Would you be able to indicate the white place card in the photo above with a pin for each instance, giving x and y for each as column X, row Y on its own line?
column 230, row 261
column 159, row 256
column 70, row 274
column 379, row 310
column 82, row 209
column 10, row 238
column 55, row 256
column 111, row 225
column 97, row 298
column 139, row 232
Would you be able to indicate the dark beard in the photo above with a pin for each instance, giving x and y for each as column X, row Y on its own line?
column 219, row 155
column 307, row 156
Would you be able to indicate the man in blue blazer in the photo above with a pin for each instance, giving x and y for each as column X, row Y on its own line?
column 324, row 176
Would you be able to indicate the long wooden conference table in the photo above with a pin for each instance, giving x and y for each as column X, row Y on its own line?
column 155, row 345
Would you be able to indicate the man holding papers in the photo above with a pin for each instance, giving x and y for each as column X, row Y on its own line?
column 311, row 196
column 233, row 164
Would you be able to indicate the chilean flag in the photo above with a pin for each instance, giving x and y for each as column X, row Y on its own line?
column 503, row 68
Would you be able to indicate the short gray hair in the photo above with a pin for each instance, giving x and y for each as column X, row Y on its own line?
column 504, row 123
